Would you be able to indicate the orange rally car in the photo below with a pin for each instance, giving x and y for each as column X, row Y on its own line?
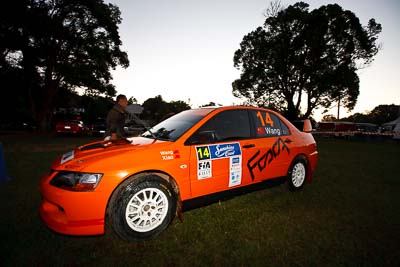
column 139, row 183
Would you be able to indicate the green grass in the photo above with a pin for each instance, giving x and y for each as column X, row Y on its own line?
column 348, row 216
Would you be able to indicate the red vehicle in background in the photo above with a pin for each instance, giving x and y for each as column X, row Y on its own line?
column 74, row 127
column 337, row 126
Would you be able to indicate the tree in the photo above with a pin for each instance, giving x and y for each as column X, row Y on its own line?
column 178, row 106
column 96, row 107
column 132, row 100
column 358, row 117
column 210, row 104
column 384, row 113
column 328, row 117
column 379, row 115
column 302, row 57
column 60, row 44
column 156, row 109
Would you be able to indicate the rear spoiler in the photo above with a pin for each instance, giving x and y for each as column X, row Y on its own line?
column 307, row 127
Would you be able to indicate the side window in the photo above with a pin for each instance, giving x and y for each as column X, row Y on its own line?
column 285, row 129
column 268, row 124
column 226, row 126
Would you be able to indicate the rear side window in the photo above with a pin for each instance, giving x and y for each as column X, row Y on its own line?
column 268, row 124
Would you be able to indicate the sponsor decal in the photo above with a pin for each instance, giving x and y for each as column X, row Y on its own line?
column 225, row 150
column 207, row 154
column 235, row 172
column 170, row 154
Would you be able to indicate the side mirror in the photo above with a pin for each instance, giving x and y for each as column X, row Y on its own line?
column 203, row 137
column 307, row 127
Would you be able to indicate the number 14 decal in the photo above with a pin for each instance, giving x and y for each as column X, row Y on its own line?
column 203, row 152
column 267, row 119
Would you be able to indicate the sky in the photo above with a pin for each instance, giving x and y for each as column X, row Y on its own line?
column 183, row 50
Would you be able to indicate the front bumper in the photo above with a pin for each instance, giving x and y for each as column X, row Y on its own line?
column 72, row 213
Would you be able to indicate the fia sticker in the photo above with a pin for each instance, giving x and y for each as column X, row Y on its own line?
column 204, row 169
column 67, row 157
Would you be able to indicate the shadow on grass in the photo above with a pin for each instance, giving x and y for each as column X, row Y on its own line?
column 204, row 201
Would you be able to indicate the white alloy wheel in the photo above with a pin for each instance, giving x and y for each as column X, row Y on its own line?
column 146, row 210
column 298, row 174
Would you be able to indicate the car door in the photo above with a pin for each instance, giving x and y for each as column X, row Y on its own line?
column 218, row 149
column 271, row 156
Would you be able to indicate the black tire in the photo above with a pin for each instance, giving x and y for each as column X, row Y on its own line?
column 142, row 208
column 297, row 174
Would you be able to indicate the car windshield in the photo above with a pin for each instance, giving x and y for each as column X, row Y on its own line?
column 172, row 128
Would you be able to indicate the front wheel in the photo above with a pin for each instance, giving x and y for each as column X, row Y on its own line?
column 297, row 174
column 143, row 208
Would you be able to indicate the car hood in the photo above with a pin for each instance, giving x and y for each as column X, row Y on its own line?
column 86, row 155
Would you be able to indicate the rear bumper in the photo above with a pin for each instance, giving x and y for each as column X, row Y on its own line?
column 313, row 159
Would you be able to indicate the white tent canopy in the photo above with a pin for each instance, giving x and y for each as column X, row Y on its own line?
column 134, row 109
column 395, row 124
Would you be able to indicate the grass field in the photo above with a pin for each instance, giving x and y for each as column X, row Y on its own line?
column 349, row 216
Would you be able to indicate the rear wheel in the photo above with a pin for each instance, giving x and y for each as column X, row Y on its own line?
column 297, row 174
column 143, row 208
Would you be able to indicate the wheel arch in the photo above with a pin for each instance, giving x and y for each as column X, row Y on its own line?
column 303, row 157
column 165, row 176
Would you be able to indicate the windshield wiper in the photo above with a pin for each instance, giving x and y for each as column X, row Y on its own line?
column 136, row 119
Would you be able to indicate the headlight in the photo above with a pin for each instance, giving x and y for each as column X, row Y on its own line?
column 76, row 181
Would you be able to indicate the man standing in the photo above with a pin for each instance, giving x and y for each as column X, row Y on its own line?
column 116, row 119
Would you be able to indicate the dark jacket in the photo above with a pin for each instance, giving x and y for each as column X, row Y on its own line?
column 116, row 121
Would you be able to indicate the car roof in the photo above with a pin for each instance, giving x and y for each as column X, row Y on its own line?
column 234, row 107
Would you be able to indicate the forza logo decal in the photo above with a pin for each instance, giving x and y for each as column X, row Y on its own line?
column 261, row 162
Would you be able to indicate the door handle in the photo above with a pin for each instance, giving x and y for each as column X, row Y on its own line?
column 287, row 140
column 249, row 146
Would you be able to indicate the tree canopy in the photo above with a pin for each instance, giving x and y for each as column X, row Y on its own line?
column 301, row 57
column 210, row 104
column 156, row 109
column 379, row 115
column 46, row 45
